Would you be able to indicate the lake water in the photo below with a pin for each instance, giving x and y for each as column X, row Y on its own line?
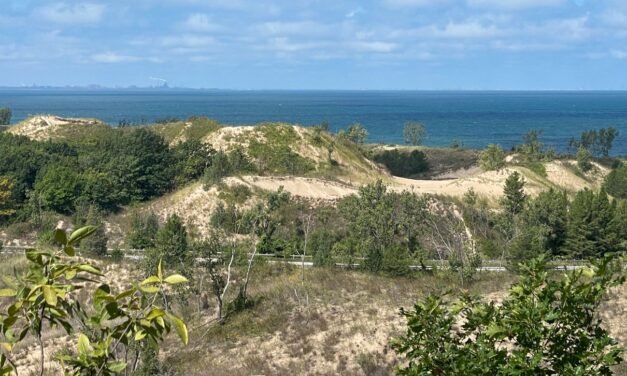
column 475, row 118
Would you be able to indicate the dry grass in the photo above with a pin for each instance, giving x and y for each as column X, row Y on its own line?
column 344, row 328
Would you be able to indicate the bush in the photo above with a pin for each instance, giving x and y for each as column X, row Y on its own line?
column 616, row 182
column 414, row 133
column 584, row 159
column 403, row 164
column 5, row 116
column 546, row 326
column 492, row 158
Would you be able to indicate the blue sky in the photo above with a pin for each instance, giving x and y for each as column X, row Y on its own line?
column 317, row 44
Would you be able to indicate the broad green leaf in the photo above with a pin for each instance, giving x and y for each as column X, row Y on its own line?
column 49, row 295
column 181, row 328
column 116, row 367
column 89, row 269
column 70, row 274
column 160, row 321
column 83, row 344
column 69, row 250
column 81, row 234
column 125, row 294
column 149, row 289
column 60, row 237
column 140, row 335
column 5, row 293
column 175, row 279
column 156, row 312
column 151, row 279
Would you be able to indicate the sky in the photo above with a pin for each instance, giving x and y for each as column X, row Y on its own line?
column 317, row 44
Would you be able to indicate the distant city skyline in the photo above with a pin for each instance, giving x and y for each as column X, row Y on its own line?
column 317, row 44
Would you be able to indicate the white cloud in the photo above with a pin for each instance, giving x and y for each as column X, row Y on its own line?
column 112, row 57
column 65, row 13
column 374, row 46
column 514, row 4
column 417, row 3
column 188, row 41
column 293, row 28
column 619, row 54
column 200, row 22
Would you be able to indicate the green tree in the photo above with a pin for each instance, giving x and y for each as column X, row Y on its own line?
column 548, row 214
column 170, row 246
column 6, row 197
column 514, row 196
column 414, row 133
column 606, row 139
column 96, row 244
column 357, row 133
column 142, row 231
column 545, row 326
column 192, row 158
column 584, row 159
column 59, row 188
column 5, row 116
column 616, row 182
column 492, row 158
column 591, row 230
column 532, row 148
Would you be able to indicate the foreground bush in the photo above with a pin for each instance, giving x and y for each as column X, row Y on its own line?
column 115, row 325
column 544, row 327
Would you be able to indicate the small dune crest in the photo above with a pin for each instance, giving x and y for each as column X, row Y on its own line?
column 45, row 127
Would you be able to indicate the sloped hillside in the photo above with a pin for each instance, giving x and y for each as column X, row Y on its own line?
column 46, row 127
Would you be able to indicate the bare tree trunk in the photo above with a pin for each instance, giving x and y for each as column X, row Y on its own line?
column 250, row 265
column 226, row 285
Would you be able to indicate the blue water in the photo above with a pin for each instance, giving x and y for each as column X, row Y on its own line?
column 475, row 118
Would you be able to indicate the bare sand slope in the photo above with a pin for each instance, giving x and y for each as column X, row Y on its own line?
column 310, row 188
column 43, row 127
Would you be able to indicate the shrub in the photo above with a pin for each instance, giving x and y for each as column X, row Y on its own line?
column 403, row 164
column 545, row 326
column 5, row 116
column 414, row 133
column 492, row 158
column 584, row 159
column 616, row 182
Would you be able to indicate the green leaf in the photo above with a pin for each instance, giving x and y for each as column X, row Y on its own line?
column 151, row 279
column 89, row 269
column 69, row 250
column 159, row 270
column 81, row 234
column 140, row 335
column 5, row 293
column 49, row 295
column 180, row 327
column 156, row 312
column 175, row 279
column 70, row 274
column 149, row 289
column 125, row 294
column 83, row 344
column 493, row 330
column 60, row 237
column 116, row 367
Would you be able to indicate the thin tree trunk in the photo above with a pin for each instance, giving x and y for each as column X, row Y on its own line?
column 250, row 264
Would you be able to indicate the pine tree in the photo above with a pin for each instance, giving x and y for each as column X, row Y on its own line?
column 97, row 243
column 514, row 196
column 592, row 228
column 170, row 246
